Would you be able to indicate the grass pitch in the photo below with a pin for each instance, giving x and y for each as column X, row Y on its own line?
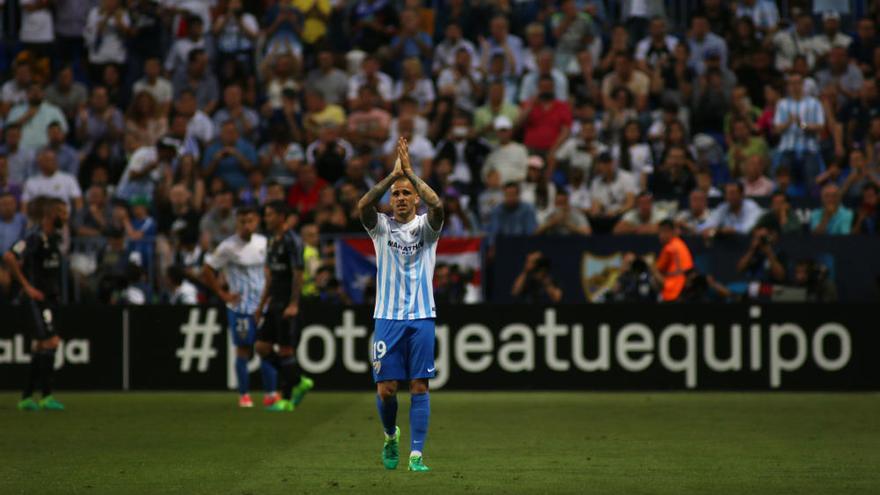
column 502, row 443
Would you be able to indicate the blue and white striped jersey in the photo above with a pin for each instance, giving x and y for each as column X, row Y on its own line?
column 405, row 257
column 808, row 110
column 243, row 262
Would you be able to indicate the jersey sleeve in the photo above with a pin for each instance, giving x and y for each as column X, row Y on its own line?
column 381, row 227
column 24, row 248
column 430, row 235
column 219, row 258
column 296, row 253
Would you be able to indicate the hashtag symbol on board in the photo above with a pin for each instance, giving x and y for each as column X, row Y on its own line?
column 198, row 342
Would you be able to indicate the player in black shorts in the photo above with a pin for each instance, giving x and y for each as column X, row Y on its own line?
column 36, row 263
column 284, row 272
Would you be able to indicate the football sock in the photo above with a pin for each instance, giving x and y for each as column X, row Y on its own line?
column 419, row 413
column 47, row 370
column 241, row 372
column 33, row 376
column 387, row 413
column 289, row 376
column 270, row 376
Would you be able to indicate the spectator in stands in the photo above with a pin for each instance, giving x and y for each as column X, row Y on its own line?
column 66, row 93
column 370, row 76
column 633, row 154
column 842, row 74
column 157, row 86
column 691, row 220
column 578, row 190
column 15, row 90
column 743, row 146
column 51, row 183
column 626, row 75
column 327, row 79
column 33, row 117
column 178, row 55
column 100, row 120
column 6, row 186
column 764, row 262
column 832, row 218
column 246, row 119
column 490, row 197
column 544, row 67
column 368, row 124
column 446, row 51
column 564, row 219
column 411, row 41
column 644, row 219
column 509, row 158
column 19, row 160
column 736, row 215
column 868, row 214
column 461, row 82
column 329, row 153
column 465, row 152
column 218, row 223
column 303, row 196
column 702, row 41
column 830, row 35
column 863, row 46
column 781, row 217
column 755, row 183
column 798, row 120
column 535, row 285
column 512, row 216
column 579, row 151
column 612, row 193
column 500, row 41
column 198, row 79
column 68, row 157
column 674, row 179
column 571, row 28
column 859, row 175
column 107, row 28
column 144, row 122
column 319, row 113
column 95, row 218
column 12, row 223
column 231, row 157
column 794, row 42
column 546, row 121
column 496, row 106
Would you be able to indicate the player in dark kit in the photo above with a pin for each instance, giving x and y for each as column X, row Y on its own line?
column 284, row 274
column 36, row 263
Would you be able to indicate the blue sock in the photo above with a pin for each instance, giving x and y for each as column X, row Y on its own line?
column 270, row 376
column 419, row 413
column 241, row 371
column 387, row 413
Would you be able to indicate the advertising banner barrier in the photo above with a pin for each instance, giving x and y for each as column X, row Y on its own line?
column 485, row 347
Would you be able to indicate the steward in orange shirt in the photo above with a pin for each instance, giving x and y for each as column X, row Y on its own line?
column 674, row 261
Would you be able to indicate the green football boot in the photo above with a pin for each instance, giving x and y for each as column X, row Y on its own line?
column 299, row 392
column 28, row 404
column 281, row 405
column 416, row 464
column 391, row 450
column 50, row 404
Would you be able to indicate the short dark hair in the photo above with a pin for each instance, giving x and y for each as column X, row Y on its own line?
column 511, row 184
column 245, row 210
column 738, row 185
column 666, row 224
column 279, row 207
column 194, row 54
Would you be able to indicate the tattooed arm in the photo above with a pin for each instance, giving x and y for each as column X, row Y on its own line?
column 367, row 204
column 432, row 201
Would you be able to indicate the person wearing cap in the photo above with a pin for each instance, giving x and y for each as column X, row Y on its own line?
column 145, row 167
column 701, row 40
column 509, row 158
column 830, row 35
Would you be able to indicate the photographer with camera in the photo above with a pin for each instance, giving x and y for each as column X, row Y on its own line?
column 814, row 277
column 636, row 283
column 764, row 262
column 534, row 285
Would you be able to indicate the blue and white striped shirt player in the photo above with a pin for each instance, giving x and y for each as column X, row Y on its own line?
column 405, row 257
column 808, row 110
column 243, row 264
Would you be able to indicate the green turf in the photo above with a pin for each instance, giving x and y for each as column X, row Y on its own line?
column 478, row 443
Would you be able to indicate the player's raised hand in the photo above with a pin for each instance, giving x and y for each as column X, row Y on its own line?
column 398, row 169
column 403, row 154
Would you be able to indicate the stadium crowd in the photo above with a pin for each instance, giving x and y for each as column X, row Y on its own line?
column 154, row 119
